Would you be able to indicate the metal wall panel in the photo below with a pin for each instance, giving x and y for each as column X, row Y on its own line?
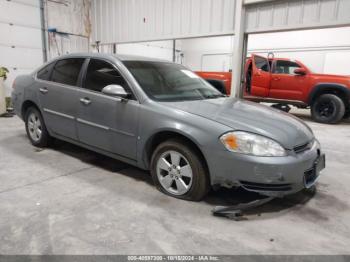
column 296, row 14
column 121, row 21
column 18, row 13
column 20, row 38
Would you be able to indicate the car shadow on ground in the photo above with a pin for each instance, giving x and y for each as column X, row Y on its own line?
column 219, row 197
column 101, row 161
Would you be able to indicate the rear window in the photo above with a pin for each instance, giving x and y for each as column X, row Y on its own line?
column 44, row 74
column 67, row 71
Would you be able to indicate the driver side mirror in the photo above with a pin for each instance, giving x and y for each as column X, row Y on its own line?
column 300, row 71
column 116, row 90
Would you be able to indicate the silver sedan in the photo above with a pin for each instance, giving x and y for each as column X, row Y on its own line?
column 162, row 117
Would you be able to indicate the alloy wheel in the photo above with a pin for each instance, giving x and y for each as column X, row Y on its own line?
column 34, row 127
column 326, row 109
column 174, row 173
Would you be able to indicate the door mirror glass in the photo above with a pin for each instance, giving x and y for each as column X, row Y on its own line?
column 115, row 90
column 300, row 71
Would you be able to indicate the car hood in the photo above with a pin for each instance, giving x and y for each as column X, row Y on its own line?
column 248, row 116
column 343, row 77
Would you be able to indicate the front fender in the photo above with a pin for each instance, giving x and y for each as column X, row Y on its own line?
column 328, row 87
column 202, row 132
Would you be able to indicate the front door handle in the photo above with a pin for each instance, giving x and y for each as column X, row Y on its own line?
column 85, row 101
column 43, row 90
column 277, row 78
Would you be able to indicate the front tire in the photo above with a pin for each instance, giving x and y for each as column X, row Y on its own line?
column 328, row 109
column 178, row 170
column 35, row 128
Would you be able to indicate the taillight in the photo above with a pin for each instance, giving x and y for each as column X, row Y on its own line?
column 13, row 84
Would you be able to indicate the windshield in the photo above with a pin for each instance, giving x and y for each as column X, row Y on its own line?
column 164, row 81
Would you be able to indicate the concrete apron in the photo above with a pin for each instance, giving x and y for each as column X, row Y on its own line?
column 2, row 97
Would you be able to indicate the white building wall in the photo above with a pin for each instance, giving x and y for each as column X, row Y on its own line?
column 21, row 35
column 157, row 49
column 207, row 54
column 20, row 38
column 73, row 18
column 323, row 50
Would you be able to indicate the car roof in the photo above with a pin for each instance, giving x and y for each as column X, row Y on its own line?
column 108, row 56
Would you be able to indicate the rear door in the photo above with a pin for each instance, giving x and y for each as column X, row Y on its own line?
column 284, row 83
column 107, row 122
column 260, row 76
column 58, row 95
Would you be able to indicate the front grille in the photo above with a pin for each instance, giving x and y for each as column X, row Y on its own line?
column 302, row 148
column 265, row 187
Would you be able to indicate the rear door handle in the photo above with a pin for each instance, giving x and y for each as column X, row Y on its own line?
column 277, row 78
column 85, row 101
column 43, row 90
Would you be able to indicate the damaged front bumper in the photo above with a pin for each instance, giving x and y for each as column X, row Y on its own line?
column 270, row 176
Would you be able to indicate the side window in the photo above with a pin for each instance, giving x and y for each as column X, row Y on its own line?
column 285, row 67
column 44, row 74
column 262, row 63
column 67, row 71
column 100, row 74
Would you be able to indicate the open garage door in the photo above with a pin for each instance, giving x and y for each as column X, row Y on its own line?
column 20, row 40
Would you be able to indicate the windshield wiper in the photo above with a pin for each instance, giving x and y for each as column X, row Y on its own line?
column 214, row 96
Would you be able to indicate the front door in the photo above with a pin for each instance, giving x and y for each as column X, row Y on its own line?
column 260, row 76
column 107, row 122
column 285, row 84
column 58, row 94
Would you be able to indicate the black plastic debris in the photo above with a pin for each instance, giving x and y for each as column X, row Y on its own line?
column 235, row 212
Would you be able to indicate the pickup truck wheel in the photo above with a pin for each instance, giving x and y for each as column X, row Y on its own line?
column 178, row 171
column 35, row 128
column 328, row 109
column 347, row 113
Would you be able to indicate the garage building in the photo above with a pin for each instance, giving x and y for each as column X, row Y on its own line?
column 66, row 200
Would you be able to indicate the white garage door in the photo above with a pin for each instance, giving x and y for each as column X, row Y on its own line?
column 20, row 38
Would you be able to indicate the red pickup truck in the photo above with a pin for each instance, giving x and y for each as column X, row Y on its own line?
column 289, row 82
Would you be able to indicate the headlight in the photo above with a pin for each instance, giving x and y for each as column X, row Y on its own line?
column 251, row 144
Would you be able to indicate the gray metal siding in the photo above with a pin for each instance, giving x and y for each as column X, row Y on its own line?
column 296, row 14
column 143, row 20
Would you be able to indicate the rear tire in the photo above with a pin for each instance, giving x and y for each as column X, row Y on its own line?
column 328, row 109
column 35, row 128
column 178, row 171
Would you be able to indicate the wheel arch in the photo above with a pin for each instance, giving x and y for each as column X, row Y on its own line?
column 163, row 135
column 330, row 88
column 27, row 104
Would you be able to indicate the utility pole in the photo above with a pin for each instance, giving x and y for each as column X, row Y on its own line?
column 239, row 49
column 43, row 30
